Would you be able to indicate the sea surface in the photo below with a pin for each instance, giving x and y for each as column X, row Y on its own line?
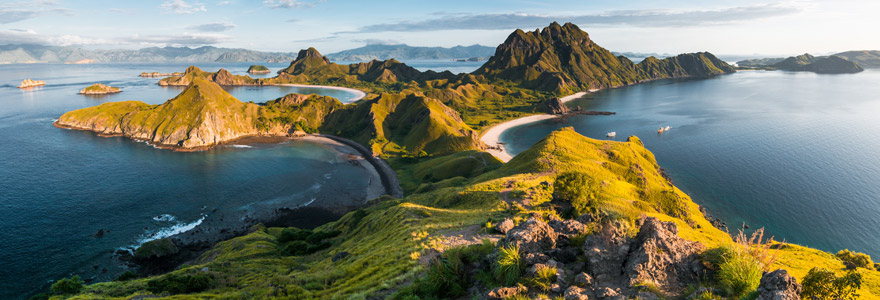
column 795, row 153
column 59, row 187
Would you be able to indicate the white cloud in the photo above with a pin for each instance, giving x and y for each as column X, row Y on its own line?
column 182, row 7
column 213, row 27
column 223, row 3
column 19, row 11
column 184, row 39
column 291, row 3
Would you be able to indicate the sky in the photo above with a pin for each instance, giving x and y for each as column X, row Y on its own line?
column 742, row 27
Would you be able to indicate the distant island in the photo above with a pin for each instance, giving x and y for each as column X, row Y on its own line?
column 258, row 69
column 30, row 83
column 472, row 59
column 99, row 89
column 841, row 63
column 157, row 74
column 29, row 53
column 406, row 52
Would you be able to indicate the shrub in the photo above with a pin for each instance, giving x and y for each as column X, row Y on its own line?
column 180, row 283
column 544, row 277
column 822, row 284
column 293, row 234
column 859, row 260
column 742, row 263
column 126, row 276
column 576, row 188
column 70, row 285
column 447, row 277
column 509, row 266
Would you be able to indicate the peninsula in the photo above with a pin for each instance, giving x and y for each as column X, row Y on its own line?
column 571, row 217
column 99, row 89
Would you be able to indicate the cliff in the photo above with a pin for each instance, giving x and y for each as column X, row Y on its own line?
column 99, row 89
column 563, row 59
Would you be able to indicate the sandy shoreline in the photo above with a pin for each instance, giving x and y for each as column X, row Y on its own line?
column 491, row 137
column 375, row 188
column 360, row 94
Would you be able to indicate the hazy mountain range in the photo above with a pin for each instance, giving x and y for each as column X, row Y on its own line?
column 12, row 54
column 864, row 58
column 406, row 52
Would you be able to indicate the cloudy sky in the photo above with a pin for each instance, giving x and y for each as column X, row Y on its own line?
column 671, row 26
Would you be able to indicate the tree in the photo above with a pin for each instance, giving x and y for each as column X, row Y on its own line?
column 823, row 284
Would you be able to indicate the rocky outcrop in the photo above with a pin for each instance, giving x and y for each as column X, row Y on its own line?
column 506, row 292
column 532, row 236
column 30, row 83
column 504, row 226
column 99, row 89
column 554, row 106
column 779, row 285
column 659, row 256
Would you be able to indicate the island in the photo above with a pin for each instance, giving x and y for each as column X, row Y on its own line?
column 157, row 74
column 805, row 63
column 99, row 89
column 571, row 217
column 258, row 69
column 27, row 83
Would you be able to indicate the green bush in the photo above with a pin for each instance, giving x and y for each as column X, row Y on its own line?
column 70, row 285
column 180, row 283
column 302, row 241
column 740, row 273
column 860, row 260
column 509, row 266
column 822, row 284
column 544, row 277
column 126, row 276
column 447, row 277
column 578, row 189
column 293, row 234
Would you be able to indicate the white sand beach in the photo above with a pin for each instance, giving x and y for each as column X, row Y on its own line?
column 360, row 94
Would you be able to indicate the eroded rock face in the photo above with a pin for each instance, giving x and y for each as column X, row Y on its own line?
column 532, row 236
column 568, row 227
column 504, row 226
column 779, row 285
column 661, row 257
column 555, row 106
column 606, row 252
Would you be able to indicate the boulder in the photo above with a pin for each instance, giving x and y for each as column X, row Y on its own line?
column 661, row 257
column 507, row 292
column 504, row 226
column 779, row 285
column 532, row 236
column 583, row 280
column 568, row 227
column 606, row 253
column 535, row 258
column 555, row 106
column 576, row 293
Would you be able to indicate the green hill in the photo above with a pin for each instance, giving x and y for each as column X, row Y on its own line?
column 822, row 65
column 563, row 59
column 312, row 67
column 221, row 77
column 410, row 248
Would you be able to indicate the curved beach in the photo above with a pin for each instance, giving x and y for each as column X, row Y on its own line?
column 360, row 94
column 492, row 136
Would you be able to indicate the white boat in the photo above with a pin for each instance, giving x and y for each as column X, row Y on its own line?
column 666, row 129
column 611, row 134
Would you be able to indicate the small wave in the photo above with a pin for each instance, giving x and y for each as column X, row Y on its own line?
column 315, row 187
column 241, row 146
column 169, row 231
column 328, row 175
column 309, row 203
column 164, row 218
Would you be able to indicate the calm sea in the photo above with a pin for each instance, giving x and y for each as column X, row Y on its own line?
column 797, row 153
column 59, row 187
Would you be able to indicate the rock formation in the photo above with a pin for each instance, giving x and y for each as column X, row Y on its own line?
column 31, row 83
column 258, row 69
column 99, row 89
column 822, row 65
column 779, row 285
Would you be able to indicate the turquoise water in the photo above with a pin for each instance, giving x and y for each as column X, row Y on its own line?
column 59, row 187
column 796, row 153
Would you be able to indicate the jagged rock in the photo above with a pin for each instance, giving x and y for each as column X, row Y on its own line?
column 607, row 292
column 779, row 285
column 505, row 292
column 661, row 257
column 583, row 280
column 535, row 258
column 576, row 293
column 556, row 288
column 567, row 227
column 564, row 255
column 586, row 218
column 100, row 233
column 504, row 226
column 606, row 253
column 532, row 236
column 554, row 106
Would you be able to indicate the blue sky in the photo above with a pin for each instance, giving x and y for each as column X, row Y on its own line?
column 673, row 26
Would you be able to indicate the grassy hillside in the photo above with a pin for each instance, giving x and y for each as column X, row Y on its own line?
column 379, row 250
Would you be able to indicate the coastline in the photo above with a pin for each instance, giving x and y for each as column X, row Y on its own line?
column 360, row 94
column 492, row 136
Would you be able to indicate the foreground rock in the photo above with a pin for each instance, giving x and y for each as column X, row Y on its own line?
column 779, row 285
column 99, row 89
column 31, row 83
